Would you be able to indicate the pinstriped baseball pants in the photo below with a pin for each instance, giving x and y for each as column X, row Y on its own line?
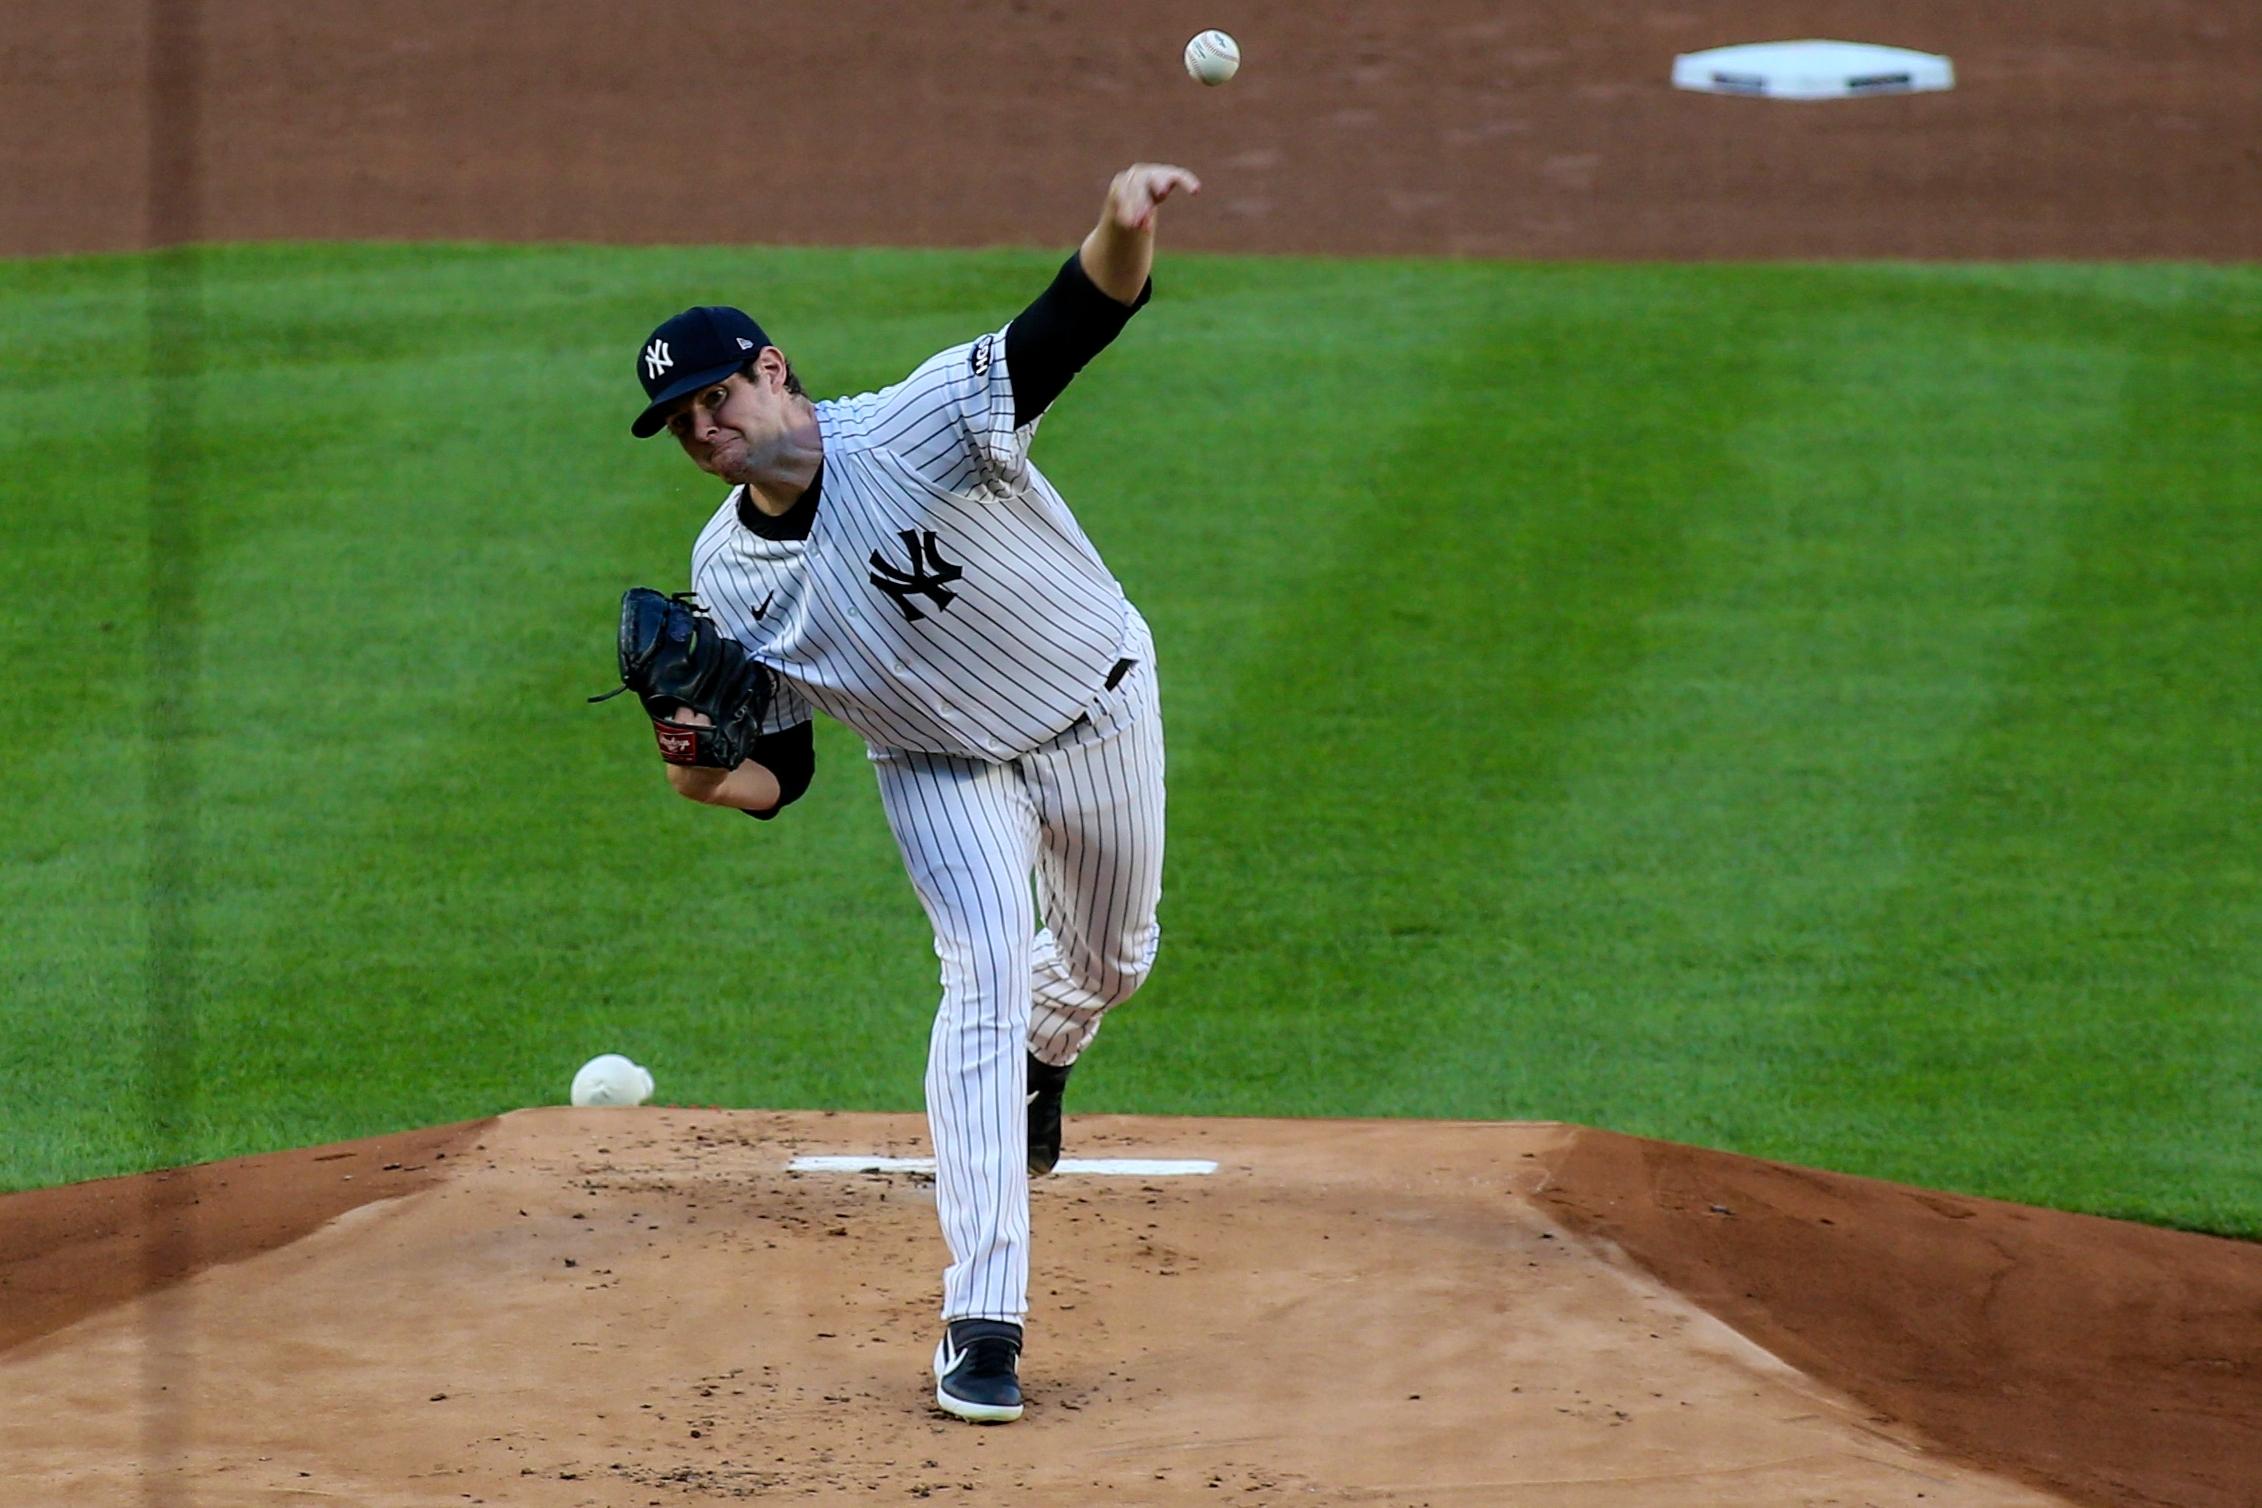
column 1083, row 815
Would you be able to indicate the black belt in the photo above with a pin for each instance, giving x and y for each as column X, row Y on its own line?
column 1114, row 679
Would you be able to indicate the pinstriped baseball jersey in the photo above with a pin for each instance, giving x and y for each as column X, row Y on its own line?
column 945, row 599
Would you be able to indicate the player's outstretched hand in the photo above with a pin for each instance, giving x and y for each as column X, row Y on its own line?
column 1143, row 185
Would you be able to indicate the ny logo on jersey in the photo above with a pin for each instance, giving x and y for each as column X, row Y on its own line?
column 926, row 577
column 656, row 360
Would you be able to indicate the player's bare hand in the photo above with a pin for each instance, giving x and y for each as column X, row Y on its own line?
column 696, row 781
column 1142, row 186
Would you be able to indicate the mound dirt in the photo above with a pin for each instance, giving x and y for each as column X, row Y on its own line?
column 2080, row 128
column 653, row 1306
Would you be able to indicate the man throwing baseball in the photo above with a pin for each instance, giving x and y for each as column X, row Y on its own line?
column 895, row 561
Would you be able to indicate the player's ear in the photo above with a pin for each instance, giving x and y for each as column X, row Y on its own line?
column 771, row 368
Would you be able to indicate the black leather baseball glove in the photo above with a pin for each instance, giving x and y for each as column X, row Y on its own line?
column 672, row 655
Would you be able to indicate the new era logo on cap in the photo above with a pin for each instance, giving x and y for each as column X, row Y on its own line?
column 686, row 353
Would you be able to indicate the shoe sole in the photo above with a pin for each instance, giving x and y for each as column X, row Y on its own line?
column 976, row 1413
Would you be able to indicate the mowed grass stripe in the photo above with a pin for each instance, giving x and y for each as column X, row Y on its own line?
column 2088, row 893
column 1624, row 915
column 1477, row 572
column 1688, row 900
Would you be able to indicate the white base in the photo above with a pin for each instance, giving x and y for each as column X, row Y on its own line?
column 1812, row 69
column 1102, row 1167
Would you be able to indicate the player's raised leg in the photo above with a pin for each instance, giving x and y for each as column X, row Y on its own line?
column 1099, row 797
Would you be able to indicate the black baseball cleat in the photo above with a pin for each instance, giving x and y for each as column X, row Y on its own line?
column 975, row 1371
column 1045, row 1085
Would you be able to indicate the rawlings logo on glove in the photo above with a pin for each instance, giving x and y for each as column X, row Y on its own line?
column 674, row 657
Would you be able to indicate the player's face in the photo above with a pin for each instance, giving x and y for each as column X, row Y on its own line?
column 732, row 428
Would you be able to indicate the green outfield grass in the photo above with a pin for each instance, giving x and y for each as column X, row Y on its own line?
column 1809, row 711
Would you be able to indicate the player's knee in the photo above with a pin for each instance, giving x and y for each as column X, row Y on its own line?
column 1122, row 986
column 1114, row 980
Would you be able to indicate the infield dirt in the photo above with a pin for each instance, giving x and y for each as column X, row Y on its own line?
column 646, row 1307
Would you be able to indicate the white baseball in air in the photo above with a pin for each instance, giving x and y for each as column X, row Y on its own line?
column 611, row 1079
column 1213, row 57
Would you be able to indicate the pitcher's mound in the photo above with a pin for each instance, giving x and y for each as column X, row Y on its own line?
column 650, row 1306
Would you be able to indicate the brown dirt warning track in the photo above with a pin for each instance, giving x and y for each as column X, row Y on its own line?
column 2080, row 128
column 650, row 1307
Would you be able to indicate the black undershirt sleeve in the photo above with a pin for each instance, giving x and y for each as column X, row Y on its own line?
column 791, row 755
column 1067, row 325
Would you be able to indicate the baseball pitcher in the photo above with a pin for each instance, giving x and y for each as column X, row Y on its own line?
column 896, row 561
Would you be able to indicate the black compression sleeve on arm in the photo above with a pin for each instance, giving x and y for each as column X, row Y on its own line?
column 791, row 755
column 1067, row 325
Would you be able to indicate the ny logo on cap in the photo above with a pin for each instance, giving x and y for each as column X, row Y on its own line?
column 656, row 360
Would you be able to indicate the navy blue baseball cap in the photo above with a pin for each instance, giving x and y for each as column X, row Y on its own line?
column 695, row 348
